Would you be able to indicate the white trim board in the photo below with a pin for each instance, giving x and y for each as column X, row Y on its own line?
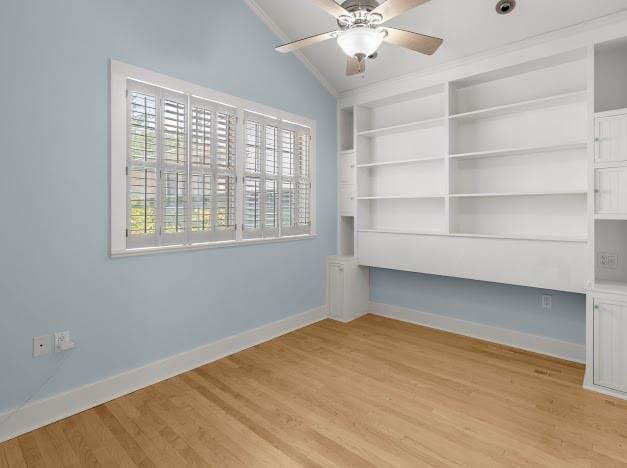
column 534, row 343
column 265, row 18
column 42, row 412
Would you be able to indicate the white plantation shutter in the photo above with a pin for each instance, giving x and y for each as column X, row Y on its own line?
column 261, row 176
column 182, row 183
column 142, row 170
column 212, row 168
column 173, row 168
column 295, row 180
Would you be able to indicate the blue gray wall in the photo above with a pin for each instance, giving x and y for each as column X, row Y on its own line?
column 506, row 306
column 55, row 273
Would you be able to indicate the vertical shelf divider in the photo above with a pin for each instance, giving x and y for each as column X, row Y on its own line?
column 448, row 144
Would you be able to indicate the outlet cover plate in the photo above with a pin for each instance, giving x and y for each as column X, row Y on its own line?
column 41, row 345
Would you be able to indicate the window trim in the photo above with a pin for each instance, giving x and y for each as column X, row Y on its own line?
column 119, row 74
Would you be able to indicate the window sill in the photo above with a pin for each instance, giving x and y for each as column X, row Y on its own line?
column 207, row 245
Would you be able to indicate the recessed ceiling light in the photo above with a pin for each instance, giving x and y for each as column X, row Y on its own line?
column 504, row 7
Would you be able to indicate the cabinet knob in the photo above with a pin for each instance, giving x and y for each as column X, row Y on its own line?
column 341, row 269
column 352, row 166
column 352, row 198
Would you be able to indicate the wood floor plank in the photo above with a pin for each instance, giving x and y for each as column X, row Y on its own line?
column 374, row 392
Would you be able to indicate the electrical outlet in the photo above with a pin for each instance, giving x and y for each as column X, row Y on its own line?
column 62, row 341
column 608, row 260
column 547, row 302
column 41, row 345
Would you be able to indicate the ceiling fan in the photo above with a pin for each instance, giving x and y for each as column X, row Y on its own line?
column 361, row 31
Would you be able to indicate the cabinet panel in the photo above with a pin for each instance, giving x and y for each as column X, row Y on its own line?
column 610, row 347
column 336, row 290
column 611, row 190
column 611, row 138
column 347, row 169
column 347, row 200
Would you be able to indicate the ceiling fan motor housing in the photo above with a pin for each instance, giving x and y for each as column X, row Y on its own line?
column 359, row 13
column 352, row 5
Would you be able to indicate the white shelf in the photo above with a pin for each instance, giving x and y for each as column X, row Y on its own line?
column 617, row 287
column 547, row 238
column 347, row 151
column 551, row 101
column 609, row 164
column 404, row 231
column 402, row 197
column 611, row 217
column 416, row 125
column 516, row 194
column 404, row 161
column 520, row 151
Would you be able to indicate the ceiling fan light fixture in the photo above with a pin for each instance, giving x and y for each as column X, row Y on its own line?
column 360, row 41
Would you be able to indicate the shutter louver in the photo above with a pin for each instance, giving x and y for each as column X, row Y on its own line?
column 225, row 203
column 202, row 220
column 252, row 203
column 287, row 204
column 174, row 197
column 271, row 197
column 143, row 201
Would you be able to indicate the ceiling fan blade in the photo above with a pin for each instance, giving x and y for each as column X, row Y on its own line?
column 419, row 42
column 392, row 8
column 355, row 67
column 330, row 7
column 307, row 41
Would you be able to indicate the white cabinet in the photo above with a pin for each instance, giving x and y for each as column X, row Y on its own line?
column 610, row 345
column 611, row 190
column 347, row 200
column 611, row 138
column 347, row 288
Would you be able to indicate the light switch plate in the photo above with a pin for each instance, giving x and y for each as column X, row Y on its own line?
column 547, row 301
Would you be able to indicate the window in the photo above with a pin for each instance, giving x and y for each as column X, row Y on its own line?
column 201, row 168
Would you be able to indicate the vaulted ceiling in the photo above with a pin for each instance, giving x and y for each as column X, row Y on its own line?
column 467, row 26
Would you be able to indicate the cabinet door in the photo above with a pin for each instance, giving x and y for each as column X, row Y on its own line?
column 611, row 138
column 610, row 344
column 347, row 200
column 611, row 190
column 336, row 290
column 347, row 169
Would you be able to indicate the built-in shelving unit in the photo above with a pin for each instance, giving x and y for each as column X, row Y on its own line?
column 496, row 157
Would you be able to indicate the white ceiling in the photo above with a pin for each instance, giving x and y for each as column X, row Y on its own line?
column 467, row 26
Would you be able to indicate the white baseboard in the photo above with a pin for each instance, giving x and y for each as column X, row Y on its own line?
column 537, row 344
column 42, row 412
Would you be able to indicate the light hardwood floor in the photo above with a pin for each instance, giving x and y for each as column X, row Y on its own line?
column 375, row 392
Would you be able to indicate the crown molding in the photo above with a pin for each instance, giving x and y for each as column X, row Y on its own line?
column 263, row 16
column 569, row 38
